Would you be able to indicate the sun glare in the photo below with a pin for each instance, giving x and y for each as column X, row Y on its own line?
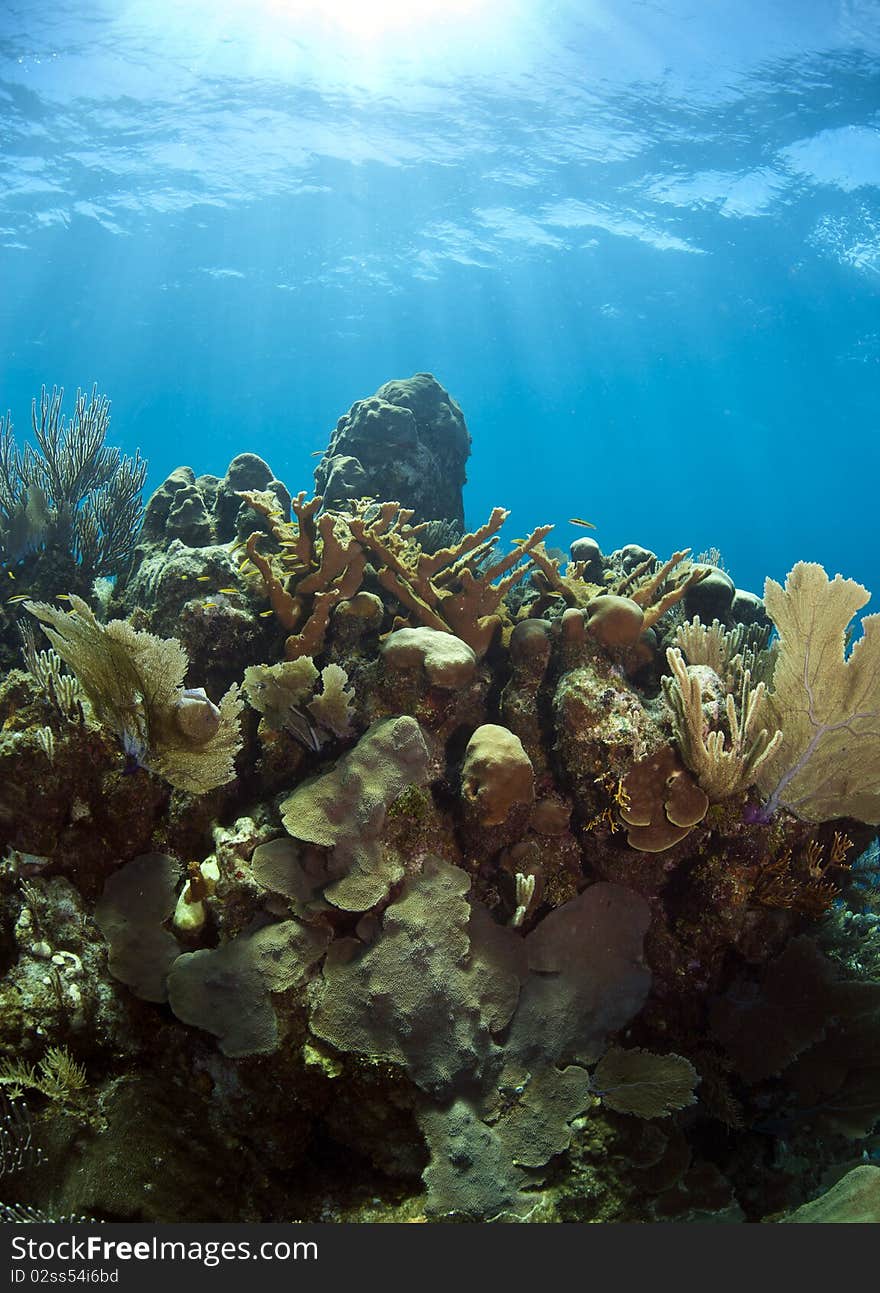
column 402, row 47
column 370, row 20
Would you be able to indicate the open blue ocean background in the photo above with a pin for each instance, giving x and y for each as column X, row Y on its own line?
column 638, row 241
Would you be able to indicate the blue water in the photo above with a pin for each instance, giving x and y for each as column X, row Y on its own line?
column 638, row 241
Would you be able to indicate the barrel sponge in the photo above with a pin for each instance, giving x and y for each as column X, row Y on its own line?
column 497, row 774
column 447, row 661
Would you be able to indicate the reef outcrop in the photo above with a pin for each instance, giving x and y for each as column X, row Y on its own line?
column 527, row 889
column 408, row 441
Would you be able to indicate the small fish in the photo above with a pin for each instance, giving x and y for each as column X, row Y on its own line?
column 265, row 614
column 19, row 597
column 62, row 597
column 579, row 520
column 304, row 731
column 203, row 579
column 244, row 564
column 227, row 590
column 209, row 604
column 10, row 574
column 235, row 547
column 317, row 453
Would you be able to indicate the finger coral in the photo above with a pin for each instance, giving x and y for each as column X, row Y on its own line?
column 724, row 763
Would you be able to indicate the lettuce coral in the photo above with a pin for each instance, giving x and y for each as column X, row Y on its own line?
column 344, row 810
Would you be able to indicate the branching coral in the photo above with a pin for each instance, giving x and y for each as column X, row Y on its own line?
column 657, row 588
column 453, row 589
column 319, row 567
column 725, row 764
column 322, row 563
column 654, row 587
column 135, row 685
column 617, row 616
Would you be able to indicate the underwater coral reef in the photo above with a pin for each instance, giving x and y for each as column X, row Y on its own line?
column 359, row 866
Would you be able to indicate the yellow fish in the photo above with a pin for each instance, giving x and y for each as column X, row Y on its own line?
column 265, row 614
column 227, row 590
column 203, row 579
column 10, row 574
column 578, row 520
column 62, row 597
column 19, row 597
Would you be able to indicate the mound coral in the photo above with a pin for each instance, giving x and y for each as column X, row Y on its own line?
column 497, row 774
